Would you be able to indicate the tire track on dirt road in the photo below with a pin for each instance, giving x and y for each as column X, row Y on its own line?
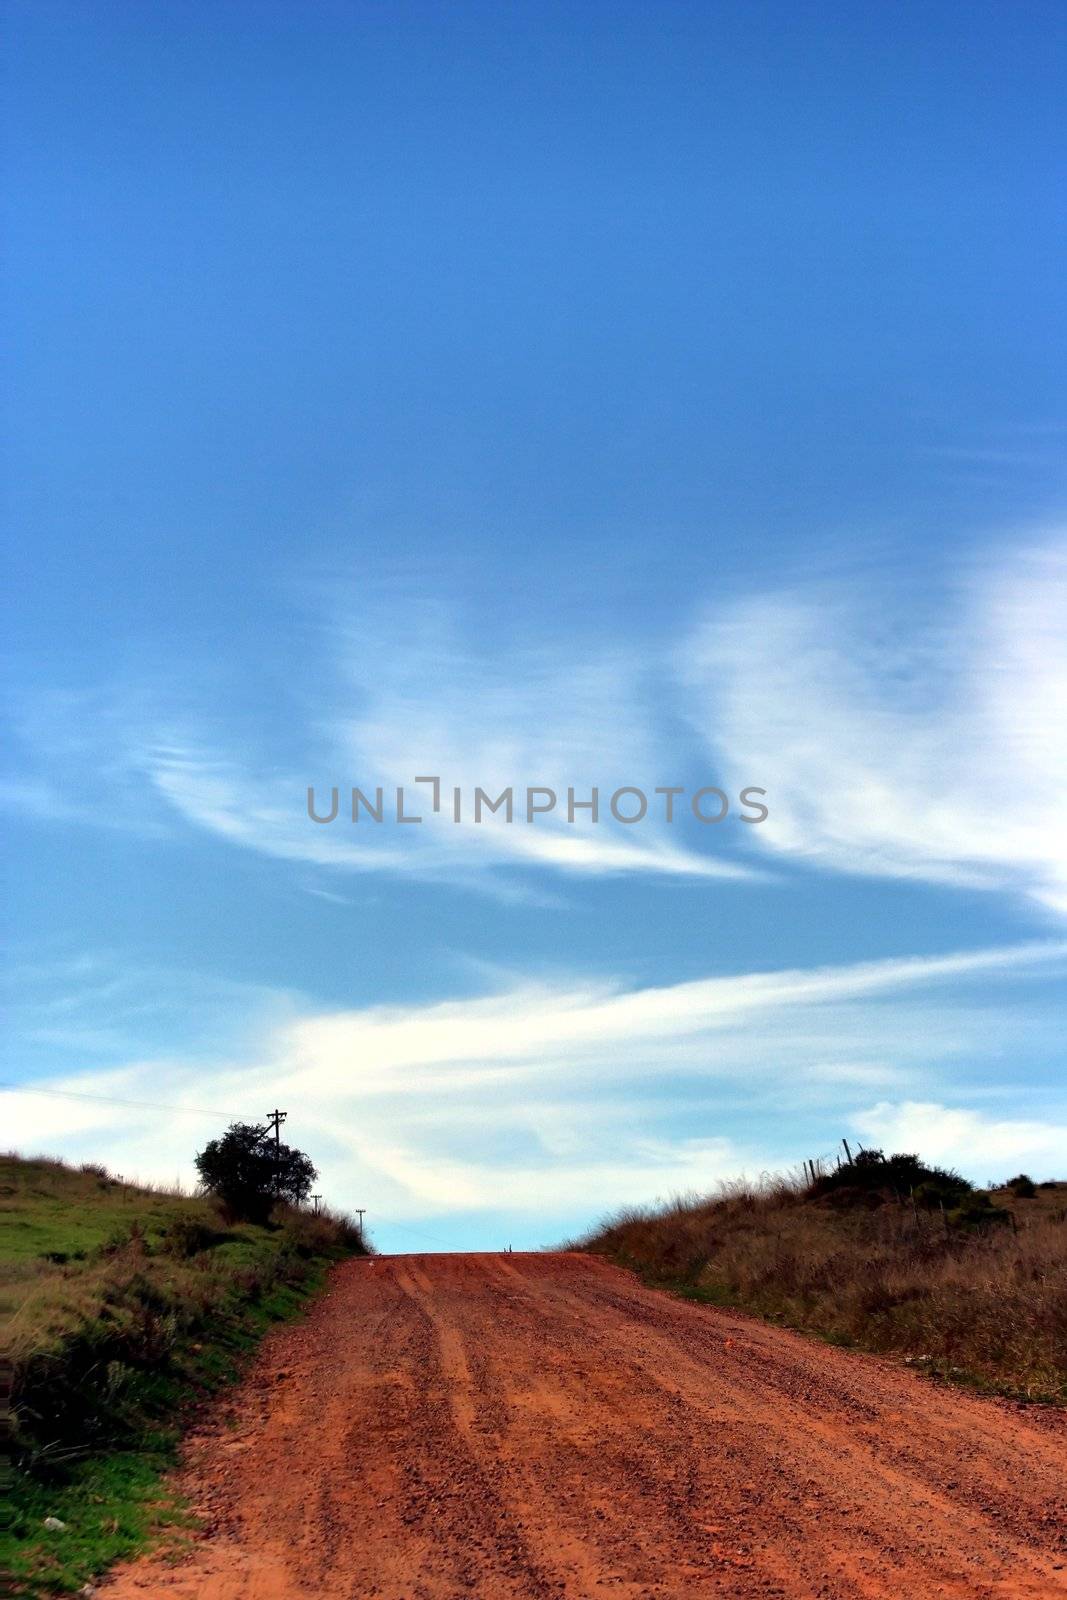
column 545, row 1428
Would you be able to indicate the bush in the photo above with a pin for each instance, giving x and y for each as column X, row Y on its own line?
column 978, row 1211
column 1022, row 1187
column 187, row 1236
column 250, row 1173
column 898, row 1176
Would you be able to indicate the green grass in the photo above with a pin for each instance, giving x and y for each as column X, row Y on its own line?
column 123, row 1308
column 112, row 1507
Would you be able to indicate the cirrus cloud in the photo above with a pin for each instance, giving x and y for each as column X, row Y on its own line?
column 899, row 739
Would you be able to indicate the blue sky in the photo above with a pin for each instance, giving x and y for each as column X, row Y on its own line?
column 588, row 395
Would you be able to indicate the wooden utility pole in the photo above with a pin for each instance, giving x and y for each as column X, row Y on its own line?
column 360, row 1213
column 275, row 1119
column 316, row 1198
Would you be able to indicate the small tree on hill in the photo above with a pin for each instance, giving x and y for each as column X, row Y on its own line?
column 248, row 1172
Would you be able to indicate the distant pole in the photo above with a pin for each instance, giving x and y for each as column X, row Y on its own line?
column 316, row 1198
column 848, row 1152
column 361, row 1212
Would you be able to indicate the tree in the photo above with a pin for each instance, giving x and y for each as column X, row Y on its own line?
column 248, row 1172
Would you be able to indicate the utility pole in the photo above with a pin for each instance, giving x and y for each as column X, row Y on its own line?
column 275, row 1119
column 316, row 1198
column 360, row 1213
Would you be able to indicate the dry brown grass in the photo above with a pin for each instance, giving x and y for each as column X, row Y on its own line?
column 984, row 1304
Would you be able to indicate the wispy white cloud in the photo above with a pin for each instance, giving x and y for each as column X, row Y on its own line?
column 925, row 741
column 544, row 1032
column 568, row 1096
column 959, row 1136
column 918, row 736
column 401, row 701
column 96, row 1006
column 269, row 816
column 72, row 758
column 37, row 798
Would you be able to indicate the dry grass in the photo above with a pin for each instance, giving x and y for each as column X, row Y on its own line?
column 984, row 1302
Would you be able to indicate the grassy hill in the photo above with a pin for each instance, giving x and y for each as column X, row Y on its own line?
column 890, row 1256
column 120, row 1306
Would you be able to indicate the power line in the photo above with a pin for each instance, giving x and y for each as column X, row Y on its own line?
column 416, row 1233
column 200, row 1111
column 115, row 1100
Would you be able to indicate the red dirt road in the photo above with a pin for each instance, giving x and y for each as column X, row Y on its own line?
column 541, row 1427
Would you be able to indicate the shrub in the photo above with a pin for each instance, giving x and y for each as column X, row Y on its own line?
column 249, row 1174
column 897, row 1176
column 187, row 1236
column 978, row 1211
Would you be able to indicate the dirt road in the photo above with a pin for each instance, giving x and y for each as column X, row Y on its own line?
column 538, row 1427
